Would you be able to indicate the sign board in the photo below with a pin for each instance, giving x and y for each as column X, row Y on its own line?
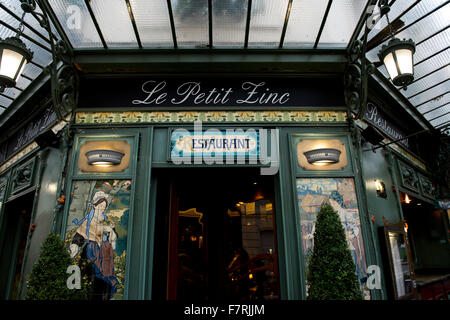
column 378, row 119
column 151, row 92
column 215, row 143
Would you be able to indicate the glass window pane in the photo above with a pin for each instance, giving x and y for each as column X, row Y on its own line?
column 436, row 113
column 14, row 6
column 434, row 103
column 399, row 260
column 427, row 82
column 429, row 94
column 304, row 23
column 31, row 71
column 432, row 45
column 229, row 22
column 77, row 23
column 266, row 23
column 4, row 102
column 22, row 82
column 12, row 92
column 191, row 22
column 397, row 8
column 441, row 121
column 431, row 64
column 152, row 21
column 342, row 19
column 420, row 30
column 115, row 23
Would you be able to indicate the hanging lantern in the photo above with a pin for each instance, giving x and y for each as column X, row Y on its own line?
column 397, row 57
column 14, row 55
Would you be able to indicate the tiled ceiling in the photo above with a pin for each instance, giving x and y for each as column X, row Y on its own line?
column 244, row 25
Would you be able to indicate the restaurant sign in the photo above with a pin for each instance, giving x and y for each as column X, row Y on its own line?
column 215, row 143
column 378, row 119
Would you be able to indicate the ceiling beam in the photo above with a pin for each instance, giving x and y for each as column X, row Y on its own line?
column 123, row 61
column 133, row 22
column 322, row 25
column 172, row 24
column 285, row 24
column 94, row 20
column 247, row 23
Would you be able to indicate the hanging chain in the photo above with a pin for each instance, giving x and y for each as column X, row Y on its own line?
column 21, row 27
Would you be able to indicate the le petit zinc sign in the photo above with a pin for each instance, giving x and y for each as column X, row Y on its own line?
column 206, row 92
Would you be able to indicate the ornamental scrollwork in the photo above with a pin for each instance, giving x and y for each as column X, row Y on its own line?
column 64, row 76
column 428, row 188
column 22, row 176
column 409, row 177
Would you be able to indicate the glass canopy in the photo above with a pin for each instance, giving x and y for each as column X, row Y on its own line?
column 244, row 25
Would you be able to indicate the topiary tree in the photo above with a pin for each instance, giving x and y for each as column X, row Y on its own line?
column 331, row 270
column 48, row 278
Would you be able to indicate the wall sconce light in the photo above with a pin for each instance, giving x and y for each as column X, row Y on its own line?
column 104, row 157
column 407, row 199
column 322, row 157
column 381, row 188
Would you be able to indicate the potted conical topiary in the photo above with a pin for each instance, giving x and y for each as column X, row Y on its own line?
column 48, row 278
column 331, row 270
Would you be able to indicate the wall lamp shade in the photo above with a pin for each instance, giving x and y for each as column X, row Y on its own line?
column 104, row 157
column 381, row 189
column 322, row 157
column 397, row 57
column 14, row 55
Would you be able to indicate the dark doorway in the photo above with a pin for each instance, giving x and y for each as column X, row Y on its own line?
column 215, row 235
column 427, row 234
column 14, row 233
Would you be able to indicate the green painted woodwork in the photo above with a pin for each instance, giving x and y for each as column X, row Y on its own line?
column 133, row 244
column 152, row 146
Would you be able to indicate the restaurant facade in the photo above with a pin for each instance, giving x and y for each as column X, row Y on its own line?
column 180, row 175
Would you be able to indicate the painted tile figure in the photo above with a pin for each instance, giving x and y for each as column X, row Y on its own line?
column 341, row 194
column 98, row 236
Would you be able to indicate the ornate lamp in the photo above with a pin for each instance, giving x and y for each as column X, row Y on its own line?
column 397, row 57
column 14, row 55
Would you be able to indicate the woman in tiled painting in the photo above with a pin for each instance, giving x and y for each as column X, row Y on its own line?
column 99, row 238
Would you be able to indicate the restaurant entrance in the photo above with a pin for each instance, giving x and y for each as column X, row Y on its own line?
column 218, row 235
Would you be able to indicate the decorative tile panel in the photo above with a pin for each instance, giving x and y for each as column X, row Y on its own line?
column 409, row 177
column 28, row 149
column 211, row 117
column 427, row 187
column 22, row 176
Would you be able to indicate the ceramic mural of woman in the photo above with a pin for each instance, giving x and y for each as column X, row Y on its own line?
column 96, row 234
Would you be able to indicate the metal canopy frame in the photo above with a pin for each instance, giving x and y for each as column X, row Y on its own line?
column 42, row 41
